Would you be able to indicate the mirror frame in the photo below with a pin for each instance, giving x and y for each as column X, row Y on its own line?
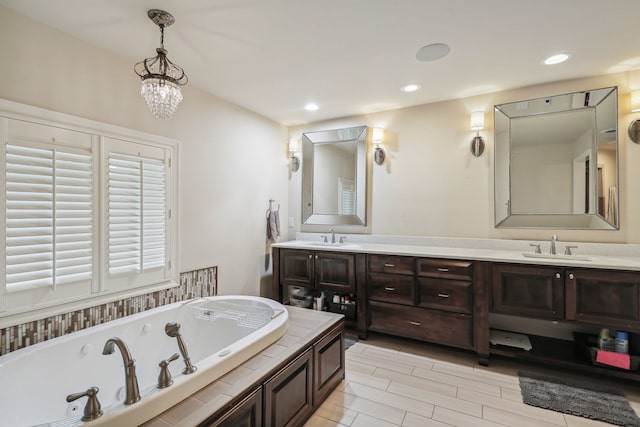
column 503, row 173
column 357, row 135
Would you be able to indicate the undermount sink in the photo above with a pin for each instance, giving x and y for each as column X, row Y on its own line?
column 556, row 256
column 336, row 245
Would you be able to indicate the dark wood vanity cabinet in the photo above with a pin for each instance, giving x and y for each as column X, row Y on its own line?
column 607, row 298
column 530, row 291
column 331, row 271
column 247, row 413
column 288, row 396
column 422, row 298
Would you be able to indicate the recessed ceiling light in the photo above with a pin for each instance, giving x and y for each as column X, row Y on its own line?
column 410, row 87
column 556, row 59
column 312, row 106
column 432, row 52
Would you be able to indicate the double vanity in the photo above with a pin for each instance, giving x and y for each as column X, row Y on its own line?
column 451, row 291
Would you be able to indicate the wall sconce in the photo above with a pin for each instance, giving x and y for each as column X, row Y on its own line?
column 634, row 126
column 294, row 147
column 477, row 124
column 377, row 136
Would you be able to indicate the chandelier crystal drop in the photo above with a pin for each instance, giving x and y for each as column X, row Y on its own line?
column 161, row 78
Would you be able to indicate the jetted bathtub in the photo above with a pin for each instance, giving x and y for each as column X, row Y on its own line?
column 219, row 332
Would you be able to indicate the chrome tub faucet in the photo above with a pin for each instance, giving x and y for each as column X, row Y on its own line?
column 130, row 378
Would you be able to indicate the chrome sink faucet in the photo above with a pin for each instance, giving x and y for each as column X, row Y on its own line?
column 130, row 378
column 333, row 235
column 552, row 248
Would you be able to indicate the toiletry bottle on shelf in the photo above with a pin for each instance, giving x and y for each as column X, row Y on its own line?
column 622, row 342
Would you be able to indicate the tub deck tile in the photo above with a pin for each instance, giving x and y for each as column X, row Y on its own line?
column 304, row 326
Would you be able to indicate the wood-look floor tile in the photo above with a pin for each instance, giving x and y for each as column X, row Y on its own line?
column 459, row 419
column 363, row 420
column 413, row 420
column 512, row 419
column 436, row 399
column 368, row 380
column 511, row 394
column 362, row 368
column 378, row 360
column 316, row 421
column 457, row 381
column 357, row 347
column 398, row 401
column 573, row 421
column 425, row 384
column 519, row 408
column 400, row 357
column 336, row 413
column 384, row 412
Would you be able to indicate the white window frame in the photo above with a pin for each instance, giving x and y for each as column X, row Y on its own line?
column 103, row 288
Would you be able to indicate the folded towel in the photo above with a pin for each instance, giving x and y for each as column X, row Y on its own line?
column 273, row 225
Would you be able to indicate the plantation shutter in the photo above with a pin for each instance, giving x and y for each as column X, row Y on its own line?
column 136, row 214
column 49, row 215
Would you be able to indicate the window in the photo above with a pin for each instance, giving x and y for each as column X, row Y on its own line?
column 72, row 234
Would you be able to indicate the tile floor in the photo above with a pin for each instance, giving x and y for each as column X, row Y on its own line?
column 393, row 382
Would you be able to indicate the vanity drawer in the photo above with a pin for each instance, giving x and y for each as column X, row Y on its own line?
column 448, row 295
column 445, row 268
column 455, row 329
column 392, row 264
column 392, row 288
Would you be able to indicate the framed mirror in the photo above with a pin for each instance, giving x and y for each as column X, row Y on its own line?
column 556, row 162
column 334, row 176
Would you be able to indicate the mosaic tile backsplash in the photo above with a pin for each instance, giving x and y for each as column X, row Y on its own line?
column 193, row 284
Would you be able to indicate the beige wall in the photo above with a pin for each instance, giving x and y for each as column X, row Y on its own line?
column 431, row 185
column 232, row 161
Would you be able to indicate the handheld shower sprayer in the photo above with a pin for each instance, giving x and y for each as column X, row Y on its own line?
column 172, row 329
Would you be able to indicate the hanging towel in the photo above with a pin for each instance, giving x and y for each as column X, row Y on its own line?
column 273, row 225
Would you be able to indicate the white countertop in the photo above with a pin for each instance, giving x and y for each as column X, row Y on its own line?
column 587, row 255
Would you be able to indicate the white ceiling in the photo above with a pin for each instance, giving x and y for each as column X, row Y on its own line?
column 352, row 56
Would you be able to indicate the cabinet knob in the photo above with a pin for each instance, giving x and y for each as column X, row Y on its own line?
column 571, row 276
column 557, row 275
column 310, row 256
column 316, row 256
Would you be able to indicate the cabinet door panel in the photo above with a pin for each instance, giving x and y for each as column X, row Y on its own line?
column 528, row 291
column 455, row 329
column 328, row 355
column 392, row 264
column 603, row 297
column 392, row 288
column 296, row 267
column 335, row 272
column 288, row 396
column 448, row 295
column 247, row 413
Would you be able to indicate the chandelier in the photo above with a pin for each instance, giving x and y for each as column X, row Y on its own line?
column 161, row 78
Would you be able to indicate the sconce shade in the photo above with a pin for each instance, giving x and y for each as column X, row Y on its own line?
column 477, row 120
column 378, row 136
column 294, row 145
column 635, row 101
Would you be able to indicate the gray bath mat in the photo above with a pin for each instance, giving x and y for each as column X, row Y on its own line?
column 349, row 341
column 577, row 398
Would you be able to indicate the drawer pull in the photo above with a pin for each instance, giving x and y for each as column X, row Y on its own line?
column 443, row 295
column 389, row 265
column 571, row 276
column 443, row 269
column 414, row 323
column 557, row 275
column 389, row 288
